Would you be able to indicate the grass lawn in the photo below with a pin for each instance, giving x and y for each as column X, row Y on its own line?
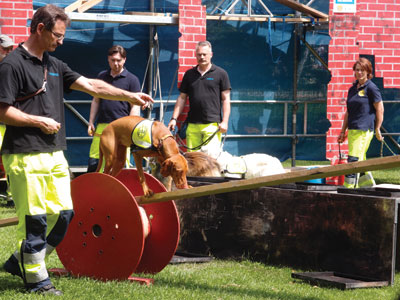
column 214, row 280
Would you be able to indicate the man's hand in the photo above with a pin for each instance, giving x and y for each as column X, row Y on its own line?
column 171, row 125
column 91, row 129
column 223, row 127
column 141, row 99
column 48, row 125
column 378, row 134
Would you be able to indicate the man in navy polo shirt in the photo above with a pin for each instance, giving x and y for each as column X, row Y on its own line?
column 107, row 111
column 32, row 84
column 208, row 88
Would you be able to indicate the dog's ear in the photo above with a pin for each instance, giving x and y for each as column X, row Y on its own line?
column 166, row 167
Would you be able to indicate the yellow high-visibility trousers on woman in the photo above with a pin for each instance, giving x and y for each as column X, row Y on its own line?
column 359, row 141
column 40, row 185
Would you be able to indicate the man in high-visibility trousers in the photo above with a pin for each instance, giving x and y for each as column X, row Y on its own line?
column 31, row 105
column 208, row 89
column 106, row 111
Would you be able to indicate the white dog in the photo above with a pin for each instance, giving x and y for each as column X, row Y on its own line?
column 249, row 165
column 245, row 166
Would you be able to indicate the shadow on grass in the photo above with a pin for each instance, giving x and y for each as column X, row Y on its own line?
column 11, row 283
column 235, row 291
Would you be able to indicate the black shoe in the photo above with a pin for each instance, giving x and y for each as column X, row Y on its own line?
column 47, row 290
column 11, row 266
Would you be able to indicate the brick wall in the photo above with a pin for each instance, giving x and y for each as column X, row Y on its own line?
column 13, row 18
column 192, row 26
column 373, row 30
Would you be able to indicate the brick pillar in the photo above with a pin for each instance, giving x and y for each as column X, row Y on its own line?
column 13, row 18
column 192, row 26
column 373, row 30
column 343, row 52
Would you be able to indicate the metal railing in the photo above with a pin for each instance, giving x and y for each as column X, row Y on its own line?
column 69, row 104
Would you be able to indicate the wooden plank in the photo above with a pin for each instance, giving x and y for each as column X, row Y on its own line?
column 9, row 222
column 126, row 18
column 232, row 17
column 332, row 279
column 295, row 176
column 303, row 8
column 261, row 19
column 74, row 6
column 87, row 5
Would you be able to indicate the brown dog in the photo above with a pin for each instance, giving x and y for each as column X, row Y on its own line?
column 199, row 164
column 117, row 136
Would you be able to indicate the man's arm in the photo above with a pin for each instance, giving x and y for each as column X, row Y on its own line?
column 100, row 89
column 179, row 105
column 94, row 109
column 226, row 110
column 12, row 116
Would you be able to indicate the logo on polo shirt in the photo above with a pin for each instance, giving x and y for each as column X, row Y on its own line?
column 210, row 78
column 361, row 93
column 53, row 74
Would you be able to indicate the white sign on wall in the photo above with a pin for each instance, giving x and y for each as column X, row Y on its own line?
column 344, row 6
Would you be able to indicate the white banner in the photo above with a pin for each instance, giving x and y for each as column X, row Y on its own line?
column 344, row 6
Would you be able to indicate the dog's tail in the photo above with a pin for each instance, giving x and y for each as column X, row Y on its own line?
column 100, row 160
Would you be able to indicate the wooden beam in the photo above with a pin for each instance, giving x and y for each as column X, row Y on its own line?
column 81, row 5
column 8, row 222
column 303, row 8
column 142, row 18
column 74, row 6
column 295, row 176
column 232, row 17
column 262, row 19
column 87, row 5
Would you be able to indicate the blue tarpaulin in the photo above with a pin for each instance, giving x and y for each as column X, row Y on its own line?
column 258, row 56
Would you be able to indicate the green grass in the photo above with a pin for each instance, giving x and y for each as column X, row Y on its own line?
column 214, row 280
column 391, row 176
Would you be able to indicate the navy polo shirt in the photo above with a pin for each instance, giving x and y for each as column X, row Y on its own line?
column 360, row 106
column 22, row 74
column 205, row 94
column 110, row 110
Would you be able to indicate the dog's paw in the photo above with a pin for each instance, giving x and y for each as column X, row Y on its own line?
column 148, row 193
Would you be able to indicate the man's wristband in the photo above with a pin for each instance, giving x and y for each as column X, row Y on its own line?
column 173, row 119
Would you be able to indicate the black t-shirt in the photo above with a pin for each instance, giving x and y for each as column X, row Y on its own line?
column 205, row 94
column 110, row 110
column 22, row 74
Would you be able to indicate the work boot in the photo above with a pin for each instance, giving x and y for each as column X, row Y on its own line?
column 11, row 266
column 47, row 290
